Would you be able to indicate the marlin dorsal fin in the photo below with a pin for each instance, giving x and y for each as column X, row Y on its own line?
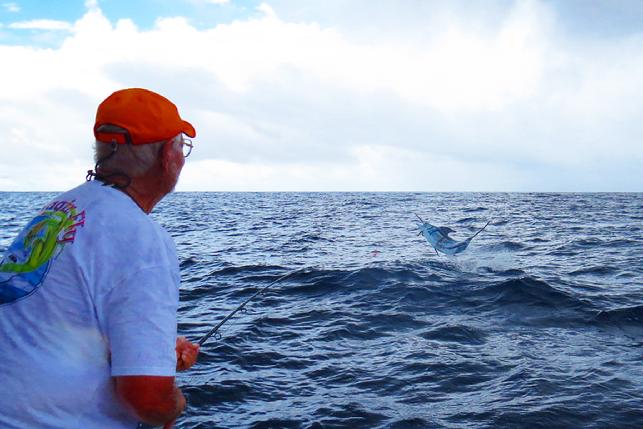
column 445, row 230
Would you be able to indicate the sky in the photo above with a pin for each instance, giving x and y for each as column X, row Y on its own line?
column 339, row 95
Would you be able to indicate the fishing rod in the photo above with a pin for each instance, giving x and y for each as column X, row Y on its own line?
column 243, row 304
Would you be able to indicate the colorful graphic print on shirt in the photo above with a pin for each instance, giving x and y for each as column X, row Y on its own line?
column 28, row 259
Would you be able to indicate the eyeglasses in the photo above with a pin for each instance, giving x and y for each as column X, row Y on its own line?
column 186, row 146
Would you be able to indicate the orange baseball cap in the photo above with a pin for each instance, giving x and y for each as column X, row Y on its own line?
column 146, row 116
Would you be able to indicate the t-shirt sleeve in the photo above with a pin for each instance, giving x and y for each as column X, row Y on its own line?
column 140, row 323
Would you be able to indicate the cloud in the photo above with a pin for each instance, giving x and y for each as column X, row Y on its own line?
column 501, row 100
column 11, row 7
column 41, row 24
column 218, row 1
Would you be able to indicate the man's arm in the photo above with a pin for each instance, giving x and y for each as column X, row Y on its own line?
column 155, row 400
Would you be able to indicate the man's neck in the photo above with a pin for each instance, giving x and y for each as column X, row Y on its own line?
column 145, row 200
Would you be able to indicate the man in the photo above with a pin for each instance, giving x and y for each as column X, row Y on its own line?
column 89, row 288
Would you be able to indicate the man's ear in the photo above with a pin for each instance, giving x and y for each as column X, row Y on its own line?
column 165, row 155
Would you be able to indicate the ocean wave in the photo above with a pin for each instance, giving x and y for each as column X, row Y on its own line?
column 242, row 269
column 587, row 242
column 505, row 245
column 512, row 272
column 187, row 262
column 622, row 242
column 412, row 423
column 621, row 316
column 375, row 275
column 528, row 292
column 467, row 220
column 314, row 238
column 350, row 331
column 280, row 423
column 316, row 282
column 393, row 321
column 475, row 209
column 456, row 333
column 599, row 270
column 348, row 415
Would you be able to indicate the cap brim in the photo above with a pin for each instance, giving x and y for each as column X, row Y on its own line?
column 188, row 129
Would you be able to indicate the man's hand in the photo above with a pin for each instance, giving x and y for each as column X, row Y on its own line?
column 186, row 354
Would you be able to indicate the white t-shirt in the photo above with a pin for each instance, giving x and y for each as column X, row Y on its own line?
column 88, row 291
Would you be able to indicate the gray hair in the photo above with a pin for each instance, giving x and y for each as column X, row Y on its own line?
column 132, row 160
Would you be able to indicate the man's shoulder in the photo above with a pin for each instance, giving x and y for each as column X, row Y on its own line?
column 95, row 196
column 112, row 219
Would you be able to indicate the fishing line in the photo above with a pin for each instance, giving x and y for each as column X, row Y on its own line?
column 481, row 229
column 214, row 330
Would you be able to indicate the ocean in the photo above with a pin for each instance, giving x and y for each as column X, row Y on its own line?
column 538, row 324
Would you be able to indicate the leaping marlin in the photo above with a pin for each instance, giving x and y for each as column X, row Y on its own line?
column 438, row 237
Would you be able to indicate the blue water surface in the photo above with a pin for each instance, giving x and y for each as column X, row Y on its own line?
column 538, row 324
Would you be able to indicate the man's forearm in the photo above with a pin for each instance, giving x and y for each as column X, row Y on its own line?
column 154, row 400
column 168, row 414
